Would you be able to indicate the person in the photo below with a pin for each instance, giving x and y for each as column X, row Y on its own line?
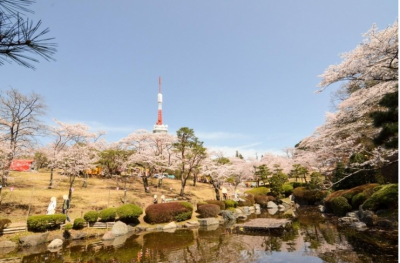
column 65, row 207
column 155, row 201
column 162, row 199
column 51, row 209
column 225, row 192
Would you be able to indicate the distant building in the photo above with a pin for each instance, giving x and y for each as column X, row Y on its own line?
column 160, row 127
column 22, row 165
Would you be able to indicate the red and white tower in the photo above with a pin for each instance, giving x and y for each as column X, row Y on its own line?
column 160, row 127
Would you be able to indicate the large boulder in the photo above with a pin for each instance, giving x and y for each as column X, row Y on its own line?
column 169, row 226
column 271, row 205
column 208, row 221
column 55, row 243
column 7, row 244
column 119, row 229
column 228, row 215
column 33, row 240
column 191, row 224
column 108, row 236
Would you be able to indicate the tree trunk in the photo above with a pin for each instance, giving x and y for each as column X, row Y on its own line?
column 145, row 184
column 216, row 188
column 85, row 178
column 305, row 180
column 51, row 178
column 194, row 180
column 183, row 187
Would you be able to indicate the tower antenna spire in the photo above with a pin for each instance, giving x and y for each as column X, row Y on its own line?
column 159, row 127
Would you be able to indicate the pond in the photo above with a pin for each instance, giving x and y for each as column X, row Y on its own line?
column 311, row 238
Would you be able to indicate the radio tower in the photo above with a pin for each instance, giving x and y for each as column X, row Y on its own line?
column 159, row 127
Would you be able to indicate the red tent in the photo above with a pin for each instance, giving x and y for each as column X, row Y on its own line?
column 21, row 165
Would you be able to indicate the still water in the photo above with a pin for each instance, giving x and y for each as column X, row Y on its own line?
column 312, row 238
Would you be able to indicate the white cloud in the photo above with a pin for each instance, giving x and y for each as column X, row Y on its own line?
column 219, row 135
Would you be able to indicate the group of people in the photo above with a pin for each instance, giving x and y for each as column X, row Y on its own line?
column 155, row 201
column 51, row 209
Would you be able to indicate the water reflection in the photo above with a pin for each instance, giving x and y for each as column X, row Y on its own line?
column 311, row 238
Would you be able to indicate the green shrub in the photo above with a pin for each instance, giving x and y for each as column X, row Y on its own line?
column 209, row 210
column 79, row 223
column 287, row 189
column 349, row 194
column 5, row 222
column 108, row 214
column 358, row 200
column 41, row 223
column 263, row 200
column 68, row 227
column 168, row 212
column 385, row 197
column 128, row 213
column 297, row 184
column 91, row 216
column 340, row 206
column 221, row 204
column 230, row 203
column 258, row 191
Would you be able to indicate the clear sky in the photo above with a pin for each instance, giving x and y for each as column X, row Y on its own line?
column 242, row 74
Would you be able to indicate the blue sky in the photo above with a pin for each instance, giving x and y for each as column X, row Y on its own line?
column 242, row 74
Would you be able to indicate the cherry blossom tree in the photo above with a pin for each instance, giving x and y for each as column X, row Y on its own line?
column 218, row 169
column 151, row 151
column 370, row 71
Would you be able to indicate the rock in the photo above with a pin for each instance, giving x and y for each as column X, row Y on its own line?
column 55, row 243
column 228, row 215
column 208, row 221
column 368, row 218
column 209, row 227
column 238, row 211
column 191, row 224
column 119, row 229
column 348, row 220
column 359, row 225
column 271, row 204
column 78, row 235
column 257, row 207
column 242, row 217
column 108, row 236
column 169, row 226
column 33, row 240
column 322, row 208
column 272, row 211
column 7, row 244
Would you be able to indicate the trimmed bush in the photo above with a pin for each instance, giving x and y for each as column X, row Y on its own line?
column 349, row 194
column 287, row 189
column 200, row 204
column 358, row 200
column 168, row 212
column 308, row 197
column 340, row 206
column 230, row 203
column 68, row 227
column 79, row 223
column 129, row 213
column 248, row 200
column 209, row 210
column 385, row 197
column 258, row 191
column 221, row 204
column 263, row 200
column 91, row 216
column 41, row 223
column 297, row 184
column 108, row 214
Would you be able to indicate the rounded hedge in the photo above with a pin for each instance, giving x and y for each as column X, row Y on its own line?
column 79, row 223
column 230, row 203
column 68, row 227
column 385, row 196
column 263, row 200
column 128, row 213
column 108, row 214
column 247, row 200
column 258, row 191
column 340, row 206
column 91, row 216
column 287, row 189
column 208, row 210
column 221, row 204
column 168, row 212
